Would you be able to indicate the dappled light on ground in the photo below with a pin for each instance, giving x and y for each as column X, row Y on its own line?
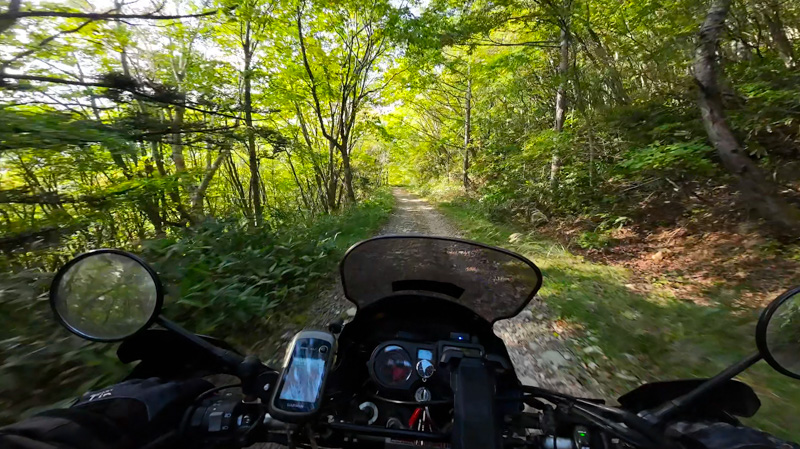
column 414, row 204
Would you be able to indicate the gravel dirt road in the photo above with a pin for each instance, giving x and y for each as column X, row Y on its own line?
column 540, row 358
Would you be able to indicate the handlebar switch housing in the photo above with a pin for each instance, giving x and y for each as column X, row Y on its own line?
column 222, row 420
column 215, row 415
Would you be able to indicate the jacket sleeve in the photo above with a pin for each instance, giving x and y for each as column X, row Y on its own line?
column 64, row 429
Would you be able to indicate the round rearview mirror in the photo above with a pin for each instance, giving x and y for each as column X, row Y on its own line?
column 778, row 333
column 106, row 295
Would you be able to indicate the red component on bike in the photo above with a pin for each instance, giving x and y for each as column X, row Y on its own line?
column 414, row 418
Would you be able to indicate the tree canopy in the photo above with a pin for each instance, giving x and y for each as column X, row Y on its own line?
column 178, row 125
column 174, row 112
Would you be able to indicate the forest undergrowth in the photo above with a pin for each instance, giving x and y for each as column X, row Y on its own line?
column 629, row 326
column 222, row 279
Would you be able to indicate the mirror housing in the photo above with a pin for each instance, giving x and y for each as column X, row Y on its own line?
column 106, row 295
column 778, row 333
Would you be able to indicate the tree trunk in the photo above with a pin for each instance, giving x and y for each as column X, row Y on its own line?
column 331, row 182
column 13, row 7
column 591, row 157
column 348, row 176
column 320, row 178
column 150, row 208
column 303, row 196
column 561, row 104
column 467, row 128
column 177, row 159
column 155, row 153
column 332, row 178
column 339, row 198
column 238, row 187
column 255, row 189
column 196, row 207
column 177, row 140
column 362, row 48
column 777, row 31
column 754, row 186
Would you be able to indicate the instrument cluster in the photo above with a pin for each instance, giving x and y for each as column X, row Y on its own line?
column 400, row 364
column 403, row 365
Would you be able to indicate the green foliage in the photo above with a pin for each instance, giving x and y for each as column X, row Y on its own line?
column 632, row 113
column 683, row 158
column 597, row 239
column 222, row 278
column 226, row 279
column 602, row 235
column 767, row 109
column 83, row 166
column 123, row 143
column 41, row 363
column 652, row 336
column 440, row 190
column 52, row 130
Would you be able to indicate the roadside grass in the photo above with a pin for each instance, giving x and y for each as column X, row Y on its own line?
column 358, row 223
column 626, row 338
column 221, row 278
column 246, row 284
column 344, row 230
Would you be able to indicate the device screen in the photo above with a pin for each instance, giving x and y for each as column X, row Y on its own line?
column 301, row 383
column 424, row 354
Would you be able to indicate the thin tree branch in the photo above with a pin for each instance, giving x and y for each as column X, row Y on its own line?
column 184, row 131
column 47, row 79
column 103, row 16
column 318, row 108
column 489, row 42
column 41, row 44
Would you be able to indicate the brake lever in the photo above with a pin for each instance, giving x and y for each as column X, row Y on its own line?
column 535, row 403
column 536, row 391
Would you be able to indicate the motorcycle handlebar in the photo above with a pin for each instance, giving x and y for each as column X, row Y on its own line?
column 227, row 417
column 226, row 420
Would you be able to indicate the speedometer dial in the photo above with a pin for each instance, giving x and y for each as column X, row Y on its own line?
column 393, row 366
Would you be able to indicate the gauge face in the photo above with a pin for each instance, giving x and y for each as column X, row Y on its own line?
column 393, row 366
column 425, row 369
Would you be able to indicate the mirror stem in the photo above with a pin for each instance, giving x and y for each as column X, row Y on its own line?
column 226, row 357
column 666, row 411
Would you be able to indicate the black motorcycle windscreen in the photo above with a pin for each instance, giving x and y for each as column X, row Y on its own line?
column 492, row 282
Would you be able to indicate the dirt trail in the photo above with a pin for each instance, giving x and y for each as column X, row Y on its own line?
column 413, row 215
column 539, row 357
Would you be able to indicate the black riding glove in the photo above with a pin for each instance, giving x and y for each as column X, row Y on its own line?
column 123, row 416
column 144, row 409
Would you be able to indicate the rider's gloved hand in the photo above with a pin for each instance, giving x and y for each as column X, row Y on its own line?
column 720, row 435
column 123, row 416
column 144, row 408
